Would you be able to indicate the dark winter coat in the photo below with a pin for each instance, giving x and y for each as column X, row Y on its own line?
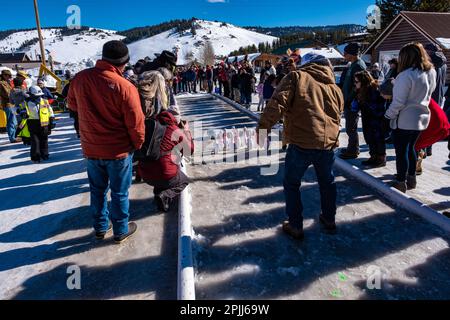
column 247, row 81
column 209, row 74
column 268, row 90
column 372, row 113
column 348, row 89
column 190, row 75
column 440, row 64
column 47, row 94
column 235, row 81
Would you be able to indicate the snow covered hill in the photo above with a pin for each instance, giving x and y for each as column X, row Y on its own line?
column 75, row 49
column 83, row 48
column 225, row 38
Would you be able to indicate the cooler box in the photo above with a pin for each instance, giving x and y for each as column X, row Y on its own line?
column 2, row 120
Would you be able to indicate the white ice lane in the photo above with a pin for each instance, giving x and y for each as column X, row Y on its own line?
column 241, row 253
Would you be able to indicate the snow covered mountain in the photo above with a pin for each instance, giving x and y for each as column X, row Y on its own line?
column 224, row 38
column 83, row 48
column 77, row 49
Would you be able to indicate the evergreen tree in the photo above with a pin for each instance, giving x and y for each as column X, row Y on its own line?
column 392, row 8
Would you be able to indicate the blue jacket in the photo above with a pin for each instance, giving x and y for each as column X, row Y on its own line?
column 268, row 91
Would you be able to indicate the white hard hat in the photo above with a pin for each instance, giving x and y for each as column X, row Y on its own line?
column 36, row 91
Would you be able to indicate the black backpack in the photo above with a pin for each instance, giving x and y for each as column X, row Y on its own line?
column 151, row 149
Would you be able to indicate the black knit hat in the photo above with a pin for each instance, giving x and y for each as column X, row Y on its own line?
column 353, row 49
column 116, row 53
column 167, row 57
column 431, row 47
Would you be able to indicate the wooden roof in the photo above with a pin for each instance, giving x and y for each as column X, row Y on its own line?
column 432, row 25
column 13, row 57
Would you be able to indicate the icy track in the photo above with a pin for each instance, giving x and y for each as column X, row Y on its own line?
column 241, row 252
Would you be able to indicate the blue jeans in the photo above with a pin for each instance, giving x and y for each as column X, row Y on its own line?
column 11, row 123
column 117, row 175
column 297, row 162
column 405, row 153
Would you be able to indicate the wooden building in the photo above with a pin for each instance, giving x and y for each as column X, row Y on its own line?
column 260, row 61
column 18, row 61
column 423, row 27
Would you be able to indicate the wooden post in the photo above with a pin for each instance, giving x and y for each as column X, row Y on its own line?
column 38, row 23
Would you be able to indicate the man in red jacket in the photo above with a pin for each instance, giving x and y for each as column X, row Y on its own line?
column 111, row 128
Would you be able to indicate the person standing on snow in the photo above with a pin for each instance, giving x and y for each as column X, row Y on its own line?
column 352, row 54
column 7, row 106
column 440, row 65
column 111, row 129
column 40, row 118
column 311, row 129
column 409, row 112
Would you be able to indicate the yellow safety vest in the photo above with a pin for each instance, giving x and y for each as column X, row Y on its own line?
column 44, row 112
column 23, row 127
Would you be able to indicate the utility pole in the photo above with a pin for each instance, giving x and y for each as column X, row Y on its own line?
column 38, row 23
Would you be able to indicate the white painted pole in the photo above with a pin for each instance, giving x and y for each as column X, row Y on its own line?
column 186, row 280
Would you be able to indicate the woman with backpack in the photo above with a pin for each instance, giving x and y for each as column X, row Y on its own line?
column 166, row 142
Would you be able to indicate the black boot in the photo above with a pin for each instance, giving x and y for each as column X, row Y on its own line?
column 411, row 182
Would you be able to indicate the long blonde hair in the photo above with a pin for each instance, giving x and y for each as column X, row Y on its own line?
column 152, row 87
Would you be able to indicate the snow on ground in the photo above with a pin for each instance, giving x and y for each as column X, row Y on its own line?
column 223, row 38
column 45, row 227
column 242, row 253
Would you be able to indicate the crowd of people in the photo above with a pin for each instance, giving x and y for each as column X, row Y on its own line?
column 30, row 117
column 404, row 106
column 127, row 119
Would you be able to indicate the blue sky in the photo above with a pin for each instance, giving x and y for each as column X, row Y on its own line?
column 125, row 14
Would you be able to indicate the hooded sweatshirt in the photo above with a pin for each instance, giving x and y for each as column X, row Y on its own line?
column 311, row 104
column 440, row 64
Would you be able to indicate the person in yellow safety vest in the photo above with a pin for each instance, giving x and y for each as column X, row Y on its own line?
column 40, row 118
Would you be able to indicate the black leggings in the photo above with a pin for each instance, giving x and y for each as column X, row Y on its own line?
column 39, row 140
column 405, row 153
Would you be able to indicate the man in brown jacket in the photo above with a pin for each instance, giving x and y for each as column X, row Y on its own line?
column 7, row 106
column 111, row 128
column 311, row 104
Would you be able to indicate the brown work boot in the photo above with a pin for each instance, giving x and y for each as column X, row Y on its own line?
column 420, row 157
column 295, row 233
column 369, row 162
column 411, row 182
column 347, row 155
column 380, row 161
column 400, row 185
column 132, row 227
column 329, row 227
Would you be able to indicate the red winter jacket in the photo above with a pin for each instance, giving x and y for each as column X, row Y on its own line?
column 109, row 111
column 167, row 166
column 438, row 129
